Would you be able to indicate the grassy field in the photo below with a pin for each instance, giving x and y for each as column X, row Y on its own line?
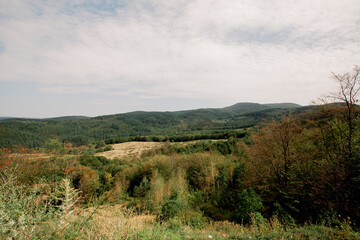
column 130, row 149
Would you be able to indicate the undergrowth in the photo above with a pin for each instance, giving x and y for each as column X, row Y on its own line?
column 27, row 214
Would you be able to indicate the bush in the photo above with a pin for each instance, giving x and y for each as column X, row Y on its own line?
column 142, row 189
column 26, row 213
column 86, row 180
column 108, row 148
column 175, row 223
column 284, row 217
column 173, row 206
column 100, row 144
column 195, row 219
column 20, row 207
column 249, row 202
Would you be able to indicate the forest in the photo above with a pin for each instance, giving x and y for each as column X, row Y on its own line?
column 141, row 126
column 290, row 175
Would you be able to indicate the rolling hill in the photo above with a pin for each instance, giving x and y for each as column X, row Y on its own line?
column 157, row 126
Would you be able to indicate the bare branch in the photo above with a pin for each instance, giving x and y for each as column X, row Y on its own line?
column 349, row 85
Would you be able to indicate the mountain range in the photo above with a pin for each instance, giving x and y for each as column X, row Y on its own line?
column 81, row 130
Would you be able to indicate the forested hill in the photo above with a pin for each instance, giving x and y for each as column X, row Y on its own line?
column 155, row 126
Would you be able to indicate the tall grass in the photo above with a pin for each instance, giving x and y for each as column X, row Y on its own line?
column 39, row 212
column 25, row 215
column 27, row 212
column 20, row 208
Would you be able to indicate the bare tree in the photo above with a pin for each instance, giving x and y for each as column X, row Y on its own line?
column 349, row 91
column 349, row 85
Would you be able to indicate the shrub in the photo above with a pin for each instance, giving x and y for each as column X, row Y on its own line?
column 142, row 189
column 249, row 202
column 156, row 194
column 68, row 196
column 100, row 144
column 173, row 206
column 284, row 217
column 194, row 219
column 86, row 180
column 27, row 212
column 108, row 148
column 20, row 209
column 175, row 223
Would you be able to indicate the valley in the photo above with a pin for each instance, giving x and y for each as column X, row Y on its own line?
column 246, row 171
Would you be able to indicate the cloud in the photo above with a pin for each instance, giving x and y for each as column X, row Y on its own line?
column 227, row 50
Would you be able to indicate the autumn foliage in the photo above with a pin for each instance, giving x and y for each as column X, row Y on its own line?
column 304, row 168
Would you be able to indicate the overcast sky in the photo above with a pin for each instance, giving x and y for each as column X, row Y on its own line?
column 97, row 57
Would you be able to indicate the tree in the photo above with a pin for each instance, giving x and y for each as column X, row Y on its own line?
column 338, row 145
column 249, row 202
column 346, row 121
column 142, row 189
column 274, row 162
column 86, row 180
column 349, row 89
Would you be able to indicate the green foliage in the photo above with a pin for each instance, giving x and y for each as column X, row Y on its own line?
column 284, row 217
column 86, row 181
column 23, row 210
column 301, row 168
column 195, row 219
column 95, row 162
column 54, row 146
column 330, row 218
column 249, row 203
column 175, row 223
column 138, row 126
column 190, row 189
column 100, row 144
column 173, row 206
column 142, row 189
column 107, row 148
column 156, row 194
column 224, row 147
column 20, row 209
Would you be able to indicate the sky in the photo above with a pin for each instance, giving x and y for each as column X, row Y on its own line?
column 98, row 57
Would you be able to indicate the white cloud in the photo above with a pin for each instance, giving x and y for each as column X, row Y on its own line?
column 263, row 51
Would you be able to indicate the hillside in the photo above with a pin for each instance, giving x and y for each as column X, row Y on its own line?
column 159, row 126
column 276, row 183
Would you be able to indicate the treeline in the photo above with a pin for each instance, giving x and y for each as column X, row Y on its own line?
column 182, row 138
column 138, row 126
column 297, row 170
column 36, row 136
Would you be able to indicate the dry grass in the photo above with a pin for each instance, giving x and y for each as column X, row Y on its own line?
column 136, row 149
column 130, row 149
column 113, row 222
column 119, row 222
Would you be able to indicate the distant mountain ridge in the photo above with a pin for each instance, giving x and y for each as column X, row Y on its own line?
column 68, row 118
column 40, row 119
column 3, row 118
column 81, row 130
column 236, row 108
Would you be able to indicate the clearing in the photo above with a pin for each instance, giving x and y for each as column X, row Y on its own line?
column 130, row 149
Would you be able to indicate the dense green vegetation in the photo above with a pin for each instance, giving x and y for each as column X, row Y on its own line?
column 294, row 177
column 288, row 172
column 139, row 126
